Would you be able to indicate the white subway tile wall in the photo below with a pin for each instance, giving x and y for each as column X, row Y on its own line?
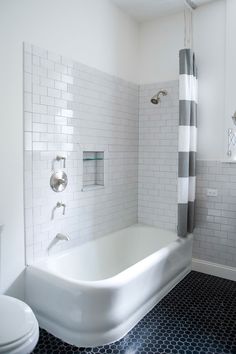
column 70, row 108
column 158, row 146
column 215, row 232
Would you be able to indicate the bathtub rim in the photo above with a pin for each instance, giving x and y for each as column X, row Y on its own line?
column 116, row 280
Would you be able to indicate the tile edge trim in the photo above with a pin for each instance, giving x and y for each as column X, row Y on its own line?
column 215, row 269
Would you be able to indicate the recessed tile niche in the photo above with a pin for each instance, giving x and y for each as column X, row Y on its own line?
column 93, row 170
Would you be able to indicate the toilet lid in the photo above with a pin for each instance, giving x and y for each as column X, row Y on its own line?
column 16, row 320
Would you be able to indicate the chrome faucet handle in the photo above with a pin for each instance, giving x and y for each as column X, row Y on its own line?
column 59, row 158
column 60, row 204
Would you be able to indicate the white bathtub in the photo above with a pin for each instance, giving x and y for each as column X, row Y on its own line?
column 94, row 294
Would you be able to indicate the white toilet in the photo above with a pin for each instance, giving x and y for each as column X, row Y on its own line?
column 19, row 330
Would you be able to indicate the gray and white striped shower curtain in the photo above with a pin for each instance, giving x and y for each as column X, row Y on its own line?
column 187, row 142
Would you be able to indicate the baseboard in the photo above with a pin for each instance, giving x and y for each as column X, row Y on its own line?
column 219, row 270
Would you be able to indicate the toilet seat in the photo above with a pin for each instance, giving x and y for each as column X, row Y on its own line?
column 19, row 329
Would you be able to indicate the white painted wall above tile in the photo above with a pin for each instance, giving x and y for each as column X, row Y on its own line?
column 160, row 42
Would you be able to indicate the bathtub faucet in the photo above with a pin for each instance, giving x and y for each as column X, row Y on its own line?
column 62, row 237
column 57, row 238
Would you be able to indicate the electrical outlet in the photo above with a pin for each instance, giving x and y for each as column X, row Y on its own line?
column 212, row 192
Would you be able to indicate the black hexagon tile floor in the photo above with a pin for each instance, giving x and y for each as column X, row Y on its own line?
column 197, row 317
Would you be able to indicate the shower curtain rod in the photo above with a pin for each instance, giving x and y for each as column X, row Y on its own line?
column 191, row 4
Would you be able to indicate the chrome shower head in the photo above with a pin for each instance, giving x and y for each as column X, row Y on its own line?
column 156, row 98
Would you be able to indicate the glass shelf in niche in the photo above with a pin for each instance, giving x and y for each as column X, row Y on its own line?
column 93, row 170
column 93, row 159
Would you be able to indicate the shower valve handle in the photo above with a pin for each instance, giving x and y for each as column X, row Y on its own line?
column 59, row 158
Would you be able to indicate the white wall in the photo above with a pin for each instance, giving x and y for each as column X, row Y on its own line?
column 160, row 41
column 92, row 32
column 209, row 46
column 230, row 92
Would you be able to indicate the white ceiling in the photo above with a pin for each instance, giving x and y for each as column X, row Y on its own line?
column 145, row 10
